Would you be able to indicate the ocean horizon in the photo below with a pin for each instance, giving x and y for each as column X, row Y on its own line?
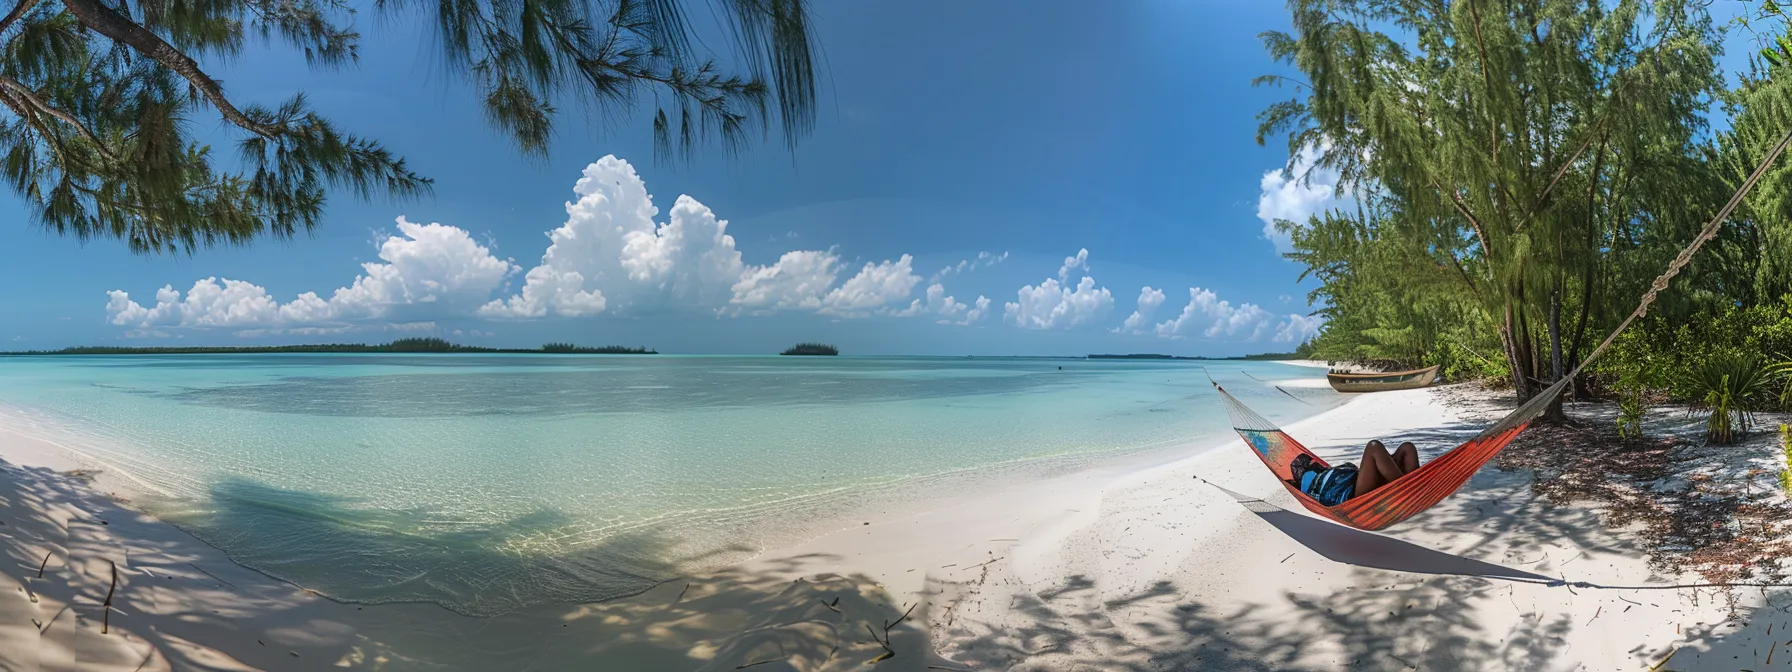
column 488, row 483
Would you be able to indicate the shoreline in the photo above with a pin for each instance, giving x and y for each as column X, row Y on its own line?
column 44, row 444
column 1027, row 577
column 33, row 461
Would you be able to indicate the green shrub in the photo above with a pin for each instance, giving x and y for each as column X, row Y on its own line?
column 1783, row 371
column 1730, row 387
column 1786, row 452
column 1633, row 404
column 1658, row 356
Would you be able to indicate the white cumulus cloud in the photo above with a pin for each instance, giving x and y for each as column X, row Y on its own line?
column 610, row 255
column 876, row 286
column 1208, row 316
column 1299, row 328
column 979, row 308
column 798, row 280
column 1081, row 260
column 428, row 270
column 983, row 260
column 1054, row 306
column 1292, row 198
column 1149, row 300
column 936, row 303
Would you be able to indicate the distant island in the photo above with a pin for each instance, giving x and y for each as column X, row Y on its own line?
column 403, row 345
column 1268, row 356
column 822, row 349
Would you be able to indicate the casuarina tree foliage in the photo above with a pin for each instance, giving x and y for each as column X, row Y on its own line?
column 103, row 95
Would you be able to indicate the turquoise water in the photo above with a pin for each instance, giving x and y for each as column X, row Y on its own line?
column 486, row 483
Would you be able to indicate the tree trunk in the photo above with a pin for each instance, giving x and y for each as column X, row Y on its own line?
column 1580, row 326
column 1509, row 339
column 1555, row 413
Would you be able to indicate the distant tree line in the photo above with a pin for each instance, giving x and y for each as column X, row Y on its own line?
column 428, row 344
column 811, row 349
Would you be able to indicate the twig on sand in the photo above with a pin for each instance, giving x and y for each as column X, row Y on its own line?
column 1621, row 597
column 1664, row 661
column 889, row 652
column 106, row 619
column 1596, row 613
column 46, row 626
column 762, row 662
column 887, row 626
column 1290, row 555
column 45, row 563
column 980, row 564
column 676, row 600
column 835, row 605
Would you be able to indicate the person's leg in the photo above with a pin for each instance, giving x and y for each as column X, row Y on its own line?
column 1376, row 469
column 1407, row 456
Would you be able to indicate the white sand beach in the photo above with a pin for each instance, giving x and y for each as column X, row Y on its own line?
column 1108, row 569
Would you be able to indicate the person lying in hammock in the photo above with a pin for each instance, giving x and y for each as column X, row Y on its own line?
column 1331, row 486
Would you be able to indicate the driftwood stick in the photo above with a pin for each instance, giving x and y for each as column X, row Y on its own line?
column 106, row 619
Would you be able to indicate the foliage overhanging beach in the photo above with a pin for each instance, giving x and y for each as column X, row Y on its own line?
column 1518, row 181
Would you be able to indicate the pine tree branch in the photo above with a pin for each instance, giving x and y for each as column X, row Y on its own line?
column 1462, row 208
column 17, row 12
column 1466, row 279
column 105, row 21
column 1493, row 131
column 30, row 97
column 29, row 114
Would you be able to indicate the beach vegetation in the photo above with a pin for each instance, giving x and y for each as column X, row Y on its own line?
column 99, row 101
column 1518, row 176
column 1786, row 459
column 1729, row 388
column 811, row 349
column 1633, row 406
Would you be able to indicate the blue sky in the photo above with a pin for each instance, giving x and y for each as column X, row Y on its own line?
column 1059, row 156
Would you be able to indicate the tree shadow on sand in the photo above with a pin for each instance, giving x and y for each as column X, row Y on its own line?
column 1409, row 626
column 180, row 604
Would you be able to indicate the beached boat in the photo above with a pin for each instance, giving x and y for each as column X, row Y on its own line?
column 1381, row 382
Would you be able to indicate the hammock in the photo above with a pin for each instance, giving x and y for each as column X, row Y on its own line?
column 1407, row 495
column 1419, row 489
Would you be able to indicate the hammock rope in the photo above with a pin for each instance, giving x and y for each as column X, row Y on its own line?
column 1424, row 487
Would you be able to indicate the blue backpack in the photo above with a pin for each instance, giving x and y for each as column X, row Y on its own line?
column 1330, row 486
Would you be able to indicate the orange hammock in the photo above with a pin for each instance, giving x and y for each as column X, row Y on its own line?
column 1418, row 490
column 1407, row 495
